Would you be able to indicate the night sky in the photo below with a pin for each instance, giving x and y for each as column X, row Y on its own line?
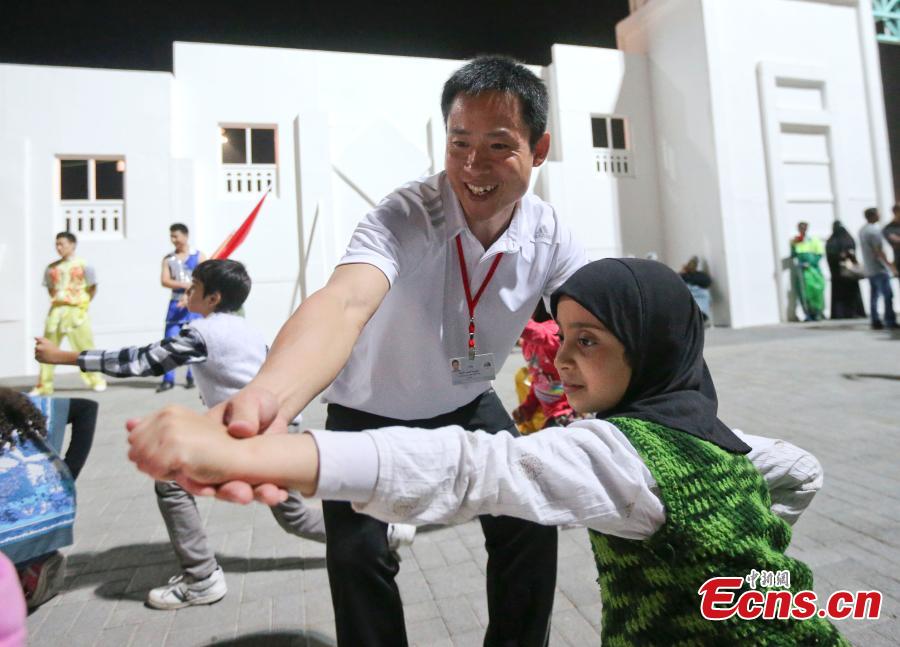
column 139, row 35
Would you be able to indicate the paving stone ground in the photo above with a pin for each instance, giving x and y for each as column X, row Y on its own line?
column 832, row 388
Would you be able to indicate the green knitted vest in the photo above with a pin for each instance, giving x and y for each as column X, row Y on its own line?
column 718, row 523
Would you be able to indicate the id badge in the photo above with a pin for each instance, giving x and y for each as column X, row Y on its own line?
column 467, row 371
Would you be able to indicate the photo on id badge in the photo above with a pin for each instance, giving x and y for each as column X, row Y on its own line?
column 479, row 369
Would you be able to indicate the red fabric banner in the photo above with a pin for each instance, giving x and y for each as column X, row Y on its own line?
column 238, row 235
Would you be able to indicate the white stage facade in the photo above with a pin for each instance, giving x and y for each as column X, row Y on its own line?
column 714, row 127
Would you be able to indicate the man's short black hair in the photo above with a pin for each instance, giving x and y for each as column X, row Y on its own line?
column 69, row 236
column 228, row 278
column 177, row 226
column 871, row 214
column 501, row 74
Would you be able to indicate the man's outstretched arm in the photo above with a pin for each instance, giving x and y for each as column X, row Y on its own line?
column 310, row 350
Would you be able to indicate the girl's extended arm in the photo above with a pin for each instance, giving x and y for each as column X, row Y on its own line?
column 586, row 473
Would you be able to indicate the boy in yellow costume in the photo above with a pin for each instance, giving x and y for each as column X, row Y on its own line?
column 71, row 283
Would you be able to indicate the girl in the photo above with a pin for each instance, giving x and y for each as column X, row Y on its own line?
column 662, row 484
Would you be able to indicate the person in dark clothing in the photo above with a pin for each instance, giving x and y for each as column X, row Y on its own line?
column 891, row 233
column 698, row 283
column 846, row 300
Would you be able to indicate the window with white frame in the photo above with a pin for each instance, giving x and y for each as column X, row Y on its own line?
column 249, row 159
column 609, row 138
column 91, row 196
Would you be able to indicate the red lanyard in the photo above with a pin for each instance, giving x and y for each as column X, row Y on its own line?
column 470, row 301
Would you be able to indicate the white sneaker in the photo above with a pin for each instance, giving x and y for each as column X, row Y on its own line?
column 100, row 388
column 400, row 534
column 184, row 591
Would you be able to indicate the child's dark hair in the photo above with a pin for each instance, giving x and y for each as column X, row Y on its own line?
column 69, row 236
column 228, row 278
column 177, row 226
column 17, row 413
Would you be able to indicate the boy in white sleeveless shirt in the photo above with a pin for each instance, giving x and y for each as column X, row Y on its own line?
column 225, row 352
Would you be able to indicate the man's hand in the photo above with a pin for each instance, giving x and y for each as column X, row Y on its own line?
column 46, row 352
column 251, row 411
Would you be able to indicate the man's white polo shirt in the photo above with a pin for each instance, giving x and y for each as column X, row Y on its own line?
column 400, row 365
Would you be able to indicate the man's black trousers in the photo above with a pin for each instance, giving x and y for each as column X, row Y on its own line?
column 521, row 569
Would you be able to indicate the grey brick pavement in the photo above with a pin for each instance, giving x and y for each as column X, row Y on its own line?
column 831, row 388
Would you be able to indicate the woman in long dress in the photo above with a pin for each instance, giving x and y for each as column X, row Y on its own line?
column 846, row 300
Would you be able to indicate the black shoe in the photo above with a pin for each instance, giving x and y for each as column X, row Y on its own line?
column 165, row 386
column 189, row 384
column 877, row 325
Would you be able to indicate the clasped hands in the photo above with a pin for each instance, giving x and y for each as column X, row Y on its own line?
column 202, row 452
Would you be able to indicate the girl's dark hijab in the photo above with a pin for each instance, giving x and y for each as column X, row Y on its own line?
column 650, row 310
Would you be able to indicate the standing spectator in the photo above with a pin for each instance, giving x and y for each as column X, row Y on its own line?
column 840, row 250
column 176, row 274
column 71, row 284
column 809, row 282
column 891, row 233
column 698, row 282
column 878, row 270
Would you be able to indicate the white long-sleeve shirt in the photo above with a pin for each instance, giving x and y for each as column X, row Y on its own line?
column 587, row 473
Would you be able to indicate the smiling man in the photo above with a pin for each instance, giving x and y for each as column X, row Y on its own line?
column 444, row 272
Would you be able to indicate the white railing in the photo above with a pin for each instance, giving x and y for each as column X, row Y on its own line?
column 92, row 219
column 613, row 162
column 248, row 178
